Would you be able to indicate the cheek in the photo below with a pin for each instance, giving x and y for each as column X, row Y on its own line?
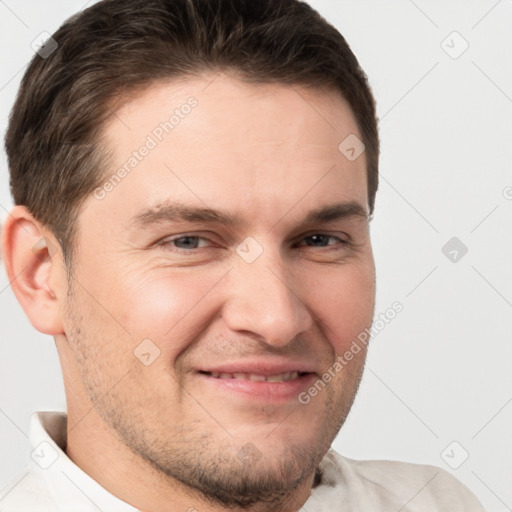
column 168, row 305
column 345, row 304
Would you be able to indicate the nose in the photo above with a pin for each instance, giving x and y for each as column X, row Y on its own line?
column 264, row 300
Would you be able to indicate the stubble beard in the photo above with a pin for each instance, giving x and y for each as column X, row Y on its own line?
column 210, row 466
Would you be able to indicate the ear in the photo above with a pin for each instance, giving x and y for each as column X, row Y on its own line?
column 35, row 269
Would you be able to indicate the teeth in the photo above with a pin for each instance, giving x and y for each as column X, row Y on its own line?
column 282, row 377
column 278, row 378
column 253, row 376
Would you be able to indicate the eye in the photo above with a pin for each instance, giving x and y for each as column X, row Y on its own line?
column 185, row 242
column 323, row 240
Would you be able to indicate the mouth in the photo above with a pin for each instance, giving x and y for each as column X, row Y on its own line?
column 255, row 377
column 265, row 387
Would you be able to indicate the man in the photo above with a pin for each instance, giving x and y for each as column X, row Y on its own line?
column 193, row 182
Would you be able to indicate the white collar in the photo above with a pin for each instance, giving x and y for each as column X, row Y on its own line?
column 70, row 487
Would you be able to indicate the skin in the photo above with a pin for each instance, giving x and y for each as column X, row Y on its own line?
column 267, row 153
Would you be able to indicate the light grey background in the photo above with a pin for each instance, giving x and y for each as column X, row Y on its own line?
column 440, row 371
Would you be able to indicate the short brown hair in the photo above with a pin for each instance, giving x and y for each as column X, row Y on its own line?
column 117, row 46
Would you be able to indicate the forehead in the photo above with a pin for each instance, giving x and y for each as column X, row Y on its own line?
column 218, row 142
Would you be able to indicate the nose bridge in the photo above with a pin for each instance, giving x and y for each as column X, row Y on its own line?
column 263, row 300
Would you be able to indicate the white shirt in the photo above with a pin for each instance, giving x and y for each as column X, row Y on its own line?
column 52, row 482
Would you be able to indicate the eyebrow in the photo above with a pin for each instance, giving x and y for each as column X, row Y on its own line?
column 176, row 212
column 334, row 212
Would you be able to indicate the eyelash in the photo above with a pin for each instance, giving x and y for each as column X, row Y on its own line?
column 167, row 242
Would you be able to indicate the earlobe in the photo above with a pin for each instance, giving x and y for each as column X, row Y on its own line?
column 35, row 270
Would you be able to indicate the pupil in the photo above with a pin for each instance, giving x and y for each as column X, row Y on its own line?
column 187, row 242
column 322, row 239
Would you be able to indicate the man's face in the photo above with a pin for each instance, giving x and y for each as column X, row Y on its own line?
column 229, row 311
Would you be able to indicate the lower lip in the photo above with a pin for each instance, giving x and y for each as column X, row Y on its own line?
column 263, row 390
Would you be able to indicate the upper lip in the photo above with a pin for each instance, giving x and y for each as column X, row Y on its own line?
column 260, row 367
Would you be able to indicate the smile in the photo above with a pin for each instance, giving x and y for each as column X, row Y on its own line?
column 281, row 377
column 264, row 388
